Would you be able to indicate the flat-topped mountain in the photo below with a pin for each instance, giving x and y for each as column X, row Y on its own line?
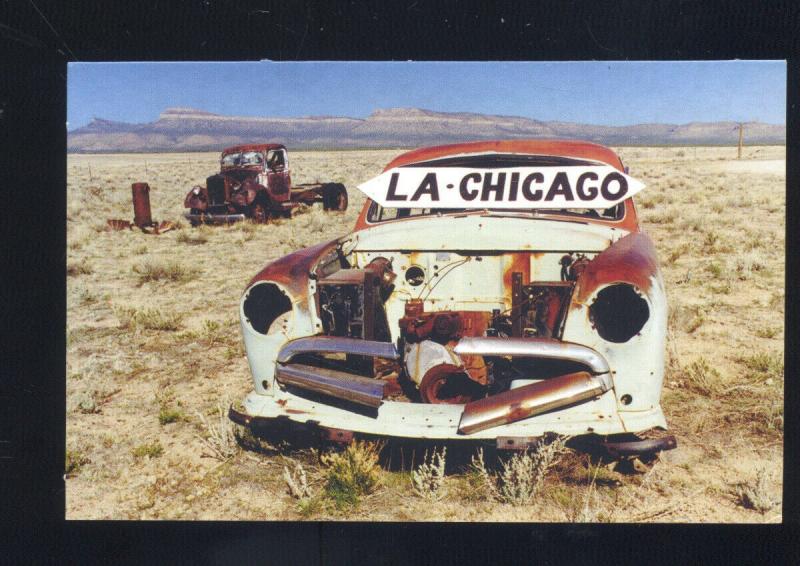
column 189, row 129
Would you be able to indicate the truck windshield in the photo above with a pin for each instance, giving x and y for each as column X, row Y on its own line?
column 242, row 159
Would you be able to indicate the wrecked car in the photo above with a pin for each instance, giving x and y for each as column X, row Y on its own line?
column 254, row 182
column 497, row 291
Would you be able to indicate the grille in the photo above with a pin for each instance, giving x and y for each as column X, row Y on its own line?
column 216, row 189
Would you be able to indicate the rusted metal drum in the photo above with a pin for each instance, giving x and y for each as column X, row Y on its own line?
column 141, row 204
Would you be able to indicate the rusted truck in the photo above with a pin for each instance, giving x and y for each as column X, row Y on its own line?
column 498, row 319
column 254, row 182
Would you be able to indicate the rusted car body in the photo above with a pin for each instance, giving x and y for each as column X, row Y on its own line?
column 466, row 324
column 255, row 182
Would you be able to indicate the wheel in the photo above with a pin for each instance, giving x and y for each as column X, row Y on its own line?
column 334, row 197
column 197, row 211
column 258, row 212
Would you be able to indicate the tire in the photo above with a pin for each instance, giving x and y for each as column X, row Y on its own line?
column 258, row 212
column 334, row 197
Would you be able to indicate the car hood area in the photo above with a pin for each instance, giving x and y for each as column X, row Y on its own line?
column 485, row 233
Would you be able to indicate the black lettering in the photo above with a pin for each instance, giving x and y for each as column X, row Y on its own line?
column 391, row 194
column 590, row 192
column 462, row 188
column 496, row 188
column 526, row 186
column 512, row 190
column 621, row 192
column 428, row 186
column 560, row 186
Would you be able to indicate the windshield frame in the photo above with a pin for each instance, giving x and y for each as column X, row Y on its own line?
column 240, row 155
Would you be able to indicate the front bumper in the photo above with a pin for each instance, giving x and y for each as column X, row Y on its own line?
column 214, row 218
column 441, row 421
column 614, row 446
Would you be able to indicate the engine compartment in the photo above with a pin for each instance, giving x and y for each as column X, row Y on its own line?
column 426, row 302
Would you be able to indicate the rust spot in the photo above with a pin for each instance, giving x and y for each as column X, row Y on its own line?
column 519, row 262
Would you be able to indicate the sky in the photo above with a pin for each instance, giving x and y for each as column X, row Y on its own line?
column 600, row 92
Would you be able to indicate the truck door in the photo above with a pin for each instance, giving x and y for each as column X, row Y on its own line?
column 278, row 174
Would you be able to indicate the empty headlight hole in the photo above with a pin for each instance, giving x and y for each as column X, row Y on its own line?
column 619, row 313
column 264, row 304
column 415, row 275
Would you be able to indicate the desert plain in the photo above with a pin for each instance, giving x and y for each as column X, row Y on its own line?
column 154, row 356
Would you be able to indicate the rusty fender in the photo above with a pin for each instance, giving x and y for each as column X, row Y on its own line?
column 632, row 259
column 530, row 400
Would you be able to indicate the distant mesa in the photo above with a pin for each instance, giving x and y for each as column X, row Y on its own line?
column 180, row 129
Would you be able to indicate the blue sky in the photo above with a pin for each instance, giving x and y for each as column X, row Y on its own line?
column 608, row 93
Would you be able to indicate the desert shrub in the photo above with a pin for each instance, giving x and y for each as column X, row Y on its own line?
column 169, row 271
column 676, row 253
column 74, row 460
column 723, row 289
column 702, row 378
column 522, row 475
column 167, row 411
column 768, row 332
column 219, row 435
column 167, row 415
column 695, row 224
column 748, row 264
column 710, row 240
column 695, row 322
column 212, row 333
column 754, row 494
column 715, row 269
column 352, row 473
column 85, row 402
column 777, row 299
column 150, row 319
column 763, row 365
column 428, row 478
column 154, row 319
column 81, row 267
column 151, row 450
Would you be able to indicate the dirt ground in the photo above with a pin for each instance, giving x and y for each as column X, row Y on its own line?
column 154, row 350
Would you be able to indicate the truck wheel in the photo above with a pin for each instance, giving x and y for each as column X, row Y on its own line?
column 195, row 223
column 334, row 197
column 258, row 213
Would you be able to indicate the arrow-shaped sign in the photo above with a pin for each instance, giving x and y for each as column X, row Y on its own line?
column 595, row 186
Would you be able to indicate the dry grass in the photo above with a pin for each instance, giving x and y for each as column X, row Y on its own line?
column 755, row 494
column 218, row 433
column 159, row 313
column 168, row 271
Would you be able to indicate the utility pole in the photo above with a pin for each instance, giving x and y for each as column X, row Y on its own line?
column 741, row 137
